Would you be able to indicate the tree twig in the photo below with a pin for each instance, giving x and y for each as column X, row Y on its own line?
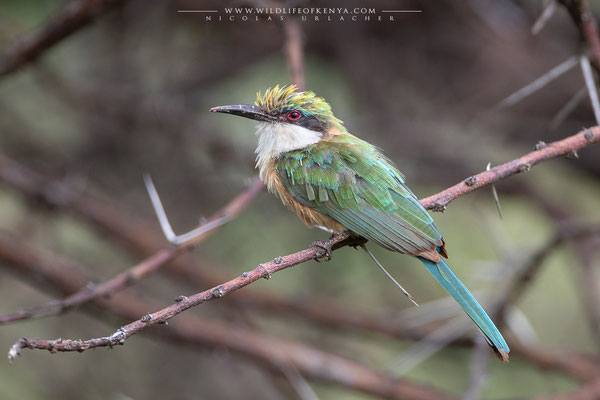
column 586, row 137
column 73, row 16
column 565, row 146
column 67, row 277
column 479, row 370
column 586, row 24
column 529, row 270
column 141, row 270
column 190, row 329
column 293, row 49
column 265, row 270
column 590, row 292
column 590, row 391
column 590, row 84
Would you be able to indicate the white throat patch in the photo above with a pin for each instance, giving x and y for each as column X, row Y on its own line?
column 275, row 138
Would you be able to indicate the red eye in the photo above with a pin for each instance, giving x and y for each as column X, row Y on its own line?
column 293, row 115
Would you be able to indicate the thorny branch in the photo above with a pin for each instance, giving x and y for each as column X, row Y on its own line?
column 586, row 24
column 570, row 145
column 67, row 278
column 479, row 370
column 552, row 150
column 590, row 391
column 123, row 227
column 293, row 48
column 21, row 179
column 190, row 329
column 587, row 251
column 141, row 270
column 525, row 275
column 265, row 270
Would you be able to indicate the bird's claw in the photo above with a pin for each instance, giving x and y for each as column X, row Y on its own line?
column 326, row 246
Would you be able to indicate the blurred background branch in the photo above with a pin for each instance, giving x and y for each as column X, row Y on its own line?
column 74, row 16
column 129, row 95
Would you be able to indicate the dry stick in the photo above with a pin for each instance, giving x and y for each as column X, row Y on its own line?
column 525, row 275
column 68, row 277
column 590, row 84
column 580, row 367
column 590, row 292
column 190, row 329
column 586, row 137
column 293, row 49
column 124, row 227
column 590, row 391
column 568, row 108
column 73, row 16
column 265, row 270
column 586, row 24
column 539, row 83
column 479, row 370
column 435, row 202
column 439, row 202
column 544, row 17
column 295, row 62
column 141, row 270
column 102, row 213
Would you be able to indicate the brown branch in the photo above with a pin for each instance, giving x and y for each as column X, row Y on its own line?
column 586, row 24
column 552, row 150
column 590, row 391
column 439, row 201
column 67, row 278
column 190, row 329
column 479, row 369
column 529, row 270
column 31, row 263
column 587, row 251
column 101, row 213
column 322, row 311
column 142, row 269
column 582, row 367
column 265, row 270
column 293, row 49
column 121, row 225
column 71, row 18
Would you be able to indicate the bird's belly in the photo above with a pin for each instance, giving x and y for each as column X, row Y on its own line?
column 306, row 214
column 311, row 217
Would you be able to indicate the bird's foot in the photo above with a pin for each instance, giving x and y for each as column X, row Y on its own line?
column 325, row 246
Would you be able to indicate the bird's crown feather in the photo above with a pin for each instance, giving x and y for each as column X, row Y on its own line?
column 286, row 98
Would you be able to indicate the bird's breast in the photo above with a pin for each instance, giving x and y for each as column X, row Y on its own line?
column 310, row 217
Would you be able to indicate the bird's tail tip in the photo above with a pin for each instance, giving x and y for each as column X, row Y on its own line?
column 500, row 353
column 445, row 277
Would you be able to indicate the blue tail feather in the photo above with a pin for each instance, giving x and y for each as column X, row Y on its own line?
column 444, row 275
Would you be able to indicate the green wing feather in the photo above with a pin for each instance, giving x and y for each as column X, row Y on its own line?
column 350, row 181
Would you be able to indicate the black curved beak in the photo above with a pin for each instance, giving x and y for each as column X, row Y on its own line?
column 245, row 110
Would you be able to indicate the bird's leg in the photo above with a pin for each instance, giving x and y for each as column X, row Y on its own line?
column 324, row 245
column 164, row 221
column 327, row 245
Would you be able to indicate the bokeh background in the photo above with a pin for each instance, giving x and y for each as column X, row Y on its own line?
column 129, row 94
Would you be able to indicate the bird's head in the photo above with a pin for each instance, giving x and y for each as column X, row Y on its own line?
column 288, row 119
column 287, row 105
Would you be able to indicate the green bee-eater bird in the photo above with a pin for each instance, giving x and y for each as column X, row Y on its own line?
column 332, row 179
